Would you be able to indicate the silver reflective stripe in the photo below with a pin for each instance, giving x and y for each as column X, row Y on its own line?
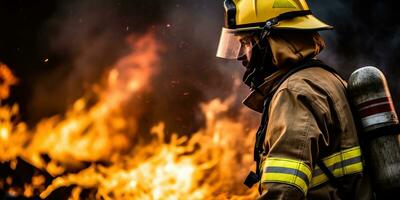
column 380, row 118
column 343, row 163
column 351, row 161
column 288, row 171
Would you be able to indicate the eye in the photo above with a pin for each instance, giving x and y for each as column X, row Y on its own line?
column 245, row 41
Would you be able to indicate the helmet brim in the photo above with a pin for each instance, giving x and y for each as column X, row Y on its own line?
column 308, row 22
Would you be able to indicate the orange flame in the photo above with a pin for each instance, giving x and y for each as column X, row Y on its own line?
column 85, row 132
column 12, row 136
column 7, row 79
column 212, row 163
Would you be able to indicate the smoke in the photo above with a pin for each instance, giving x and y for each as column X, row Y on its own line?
column 82, row 39
column 85, row 42
column 86, row 37
column 366, row 33
column 188, row 75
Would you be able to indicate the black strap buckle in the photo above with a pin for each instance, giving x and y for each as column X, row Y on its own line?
column 251, row 179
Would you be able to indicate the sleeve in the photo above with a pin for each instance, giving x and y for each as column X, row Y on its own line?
column 292, row 144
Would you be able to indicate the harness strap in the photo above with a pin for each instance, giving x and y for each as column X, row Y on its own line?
column 328, row 173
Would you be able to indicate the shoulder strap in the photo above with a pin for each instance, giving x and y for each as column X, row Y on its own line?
column 343, row 194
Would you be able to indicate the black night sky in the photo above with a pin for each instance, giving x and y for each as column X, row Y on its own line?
column 81, row 39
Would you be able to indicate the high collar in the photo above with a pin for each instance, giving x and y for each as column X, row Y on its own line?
column 288, row 49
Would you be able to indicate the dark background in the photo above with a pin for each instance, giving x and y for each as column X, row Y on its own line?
column 81, row 39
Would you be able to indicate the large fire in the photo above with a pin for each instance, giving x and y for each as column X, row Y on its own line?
column 89, row 150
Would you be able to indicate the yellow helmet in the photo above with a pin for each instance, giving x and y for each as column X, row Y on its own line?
column 243, row 16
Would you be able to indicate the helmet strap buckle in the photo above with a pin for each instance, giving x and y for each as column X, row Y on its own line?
column 268, row 27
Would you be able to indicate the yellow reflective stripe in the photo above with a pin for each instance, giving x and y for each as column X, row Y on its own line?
column 340, row 164
column 317, row 180
column 287, row 171
column 354, row 168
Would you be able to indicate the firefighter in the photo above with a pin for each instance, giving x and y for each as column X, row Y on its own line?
column 306, row 146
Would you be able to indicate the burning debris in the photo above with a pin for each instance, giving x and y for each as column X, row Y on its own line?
column 90, row 152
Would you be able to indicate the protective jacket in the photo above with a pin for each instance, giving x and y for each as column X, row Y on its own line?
column 310, row 120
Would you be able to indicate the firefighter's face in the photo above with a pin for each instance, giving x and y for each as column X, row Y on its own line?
column 256, row 58
column 247, row 43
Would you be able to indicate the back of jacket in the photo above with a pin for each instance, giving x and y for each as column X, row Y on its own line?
column 310, row 119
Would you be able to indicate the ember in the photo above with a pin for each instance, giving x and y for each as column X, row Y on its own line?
column 88, row 152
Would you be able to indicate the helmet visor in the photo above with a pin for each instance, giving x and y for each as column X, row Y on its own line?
column 230, row 45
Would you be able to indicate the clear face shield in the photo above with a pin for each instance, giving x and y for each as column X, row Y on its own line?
column 233, row 45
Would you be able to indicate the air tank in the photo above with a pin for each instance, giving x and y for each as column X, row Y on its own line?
column 370, row 95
